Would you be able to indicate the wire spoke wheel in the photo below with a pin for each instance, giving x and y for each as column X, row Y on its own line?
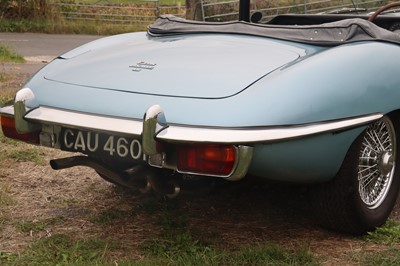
column 364, row 191
column 377, row 162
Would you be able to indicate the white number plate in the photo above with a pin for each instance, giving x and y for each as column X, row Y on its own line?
column 103, row 145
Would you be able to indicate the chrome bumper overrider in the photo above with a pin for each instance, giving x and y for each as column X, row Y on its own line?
column 155, row 128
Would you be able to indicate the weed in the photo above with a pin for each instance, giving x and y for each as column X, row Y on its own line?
column 387, row 234
column 391, row 256
column 109, row 216
column 171, row 217
column 149, row 205
column 7, row 92
column 68, row 202
column 36, row 226
column 272, row 255
column 2, row 220
column 30, row 226
column 61, row 250
column 177, row 245
column 4, row 77
column 8, row 56
column 8, row 141
column 5, row 198
column 184, row 250
column 27, row 155
column 7, row 257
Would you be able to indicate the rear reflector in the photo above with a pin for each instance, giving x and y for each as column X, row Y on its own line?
column 205, row 159
column 8, row 127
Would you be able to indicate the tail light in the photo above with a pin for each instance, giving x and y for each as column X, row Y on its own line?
column 8, row 127
column 208, row 159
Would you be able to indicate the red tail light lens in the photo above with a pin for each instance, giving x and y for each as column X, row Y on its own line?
column 207, row 159
column 9, row 130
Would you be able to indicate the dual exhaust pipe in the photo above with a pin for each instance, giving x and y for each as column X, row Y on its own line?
column 142, row 177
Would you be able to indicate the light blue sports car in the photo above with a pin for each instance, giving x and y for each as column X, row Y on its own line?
column 312, row 99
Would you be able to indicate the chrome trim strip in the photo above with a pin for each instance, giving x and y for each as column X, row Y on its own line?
column 52, row 116
column 258, row 135
column 186, row 134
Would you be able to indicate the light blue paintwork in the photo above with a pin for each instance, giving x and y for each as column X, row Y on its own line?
column 203, row 63
column 310, row 159
column 233, row 81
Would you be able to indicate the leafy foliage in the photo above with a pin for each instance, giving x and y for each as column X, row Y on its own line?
column 28, row 9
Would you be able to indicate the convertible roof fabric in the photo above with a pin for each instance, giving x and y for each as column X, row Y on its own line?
column 327, row 34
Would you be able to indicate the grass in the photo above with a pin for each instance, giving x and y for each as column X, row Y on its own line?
column 36, row 225
column 67, row 202
column 4, row 77
column 5, row 198
column 387, row 240
column 179, row 245
column 7, row 141
column 64, row 250
column 60, row 250
column 8, row 88
column 391, row 257
column 11, row 149
column 176, row 245
column 27, row 155
column 183, row 249
column 6, row 55
column 389, row 233
column 109, row 216
column 7, row 96
column 30, row 226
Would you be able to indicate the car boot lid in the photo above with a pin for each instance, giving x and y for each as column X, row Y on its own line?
column 195, row 66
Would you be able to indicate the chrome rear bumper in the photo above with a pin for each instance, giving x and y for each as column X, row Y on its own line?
column 188, row 134
column 154, row 128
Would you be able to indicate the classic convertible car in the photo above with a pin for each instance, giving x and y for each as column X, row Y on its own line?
column 311, row 99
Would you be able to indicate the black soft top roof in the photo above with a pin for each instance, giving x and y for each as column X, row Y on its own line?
column 327, row 34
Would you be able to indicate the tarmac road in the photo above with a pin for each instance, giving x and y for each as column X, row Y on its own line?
column 39, row 49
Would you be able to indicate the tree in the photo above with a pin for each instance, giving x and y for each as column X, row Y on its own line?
column 194, row 10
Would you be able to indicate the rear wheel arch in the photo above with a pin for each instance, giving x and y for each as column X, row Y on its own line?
column 364, row 192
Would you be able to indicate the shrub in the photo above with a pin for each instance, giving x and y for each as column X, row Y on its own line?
column 24, row 9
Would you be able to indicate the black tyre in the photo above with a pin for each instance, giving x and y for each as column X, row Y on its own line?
column 364, row 192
